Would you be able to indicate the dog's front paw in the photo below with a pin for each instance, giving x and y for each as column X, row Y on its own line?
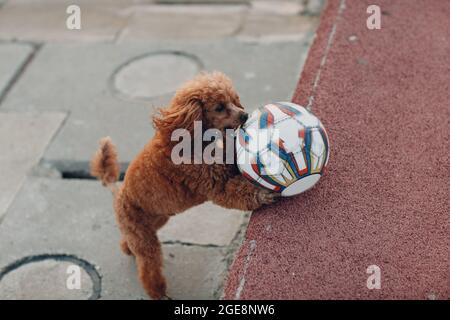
column 265, row 196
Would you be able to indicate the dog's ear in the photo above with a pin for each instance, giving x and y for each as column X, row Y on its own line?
column 181, row 114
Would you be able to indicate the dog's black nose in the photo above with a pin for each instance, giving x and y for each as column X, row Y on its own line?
column 243, row 117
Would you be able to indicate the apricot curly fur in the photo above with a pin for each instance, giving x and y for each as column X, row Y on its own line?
column 155, row 188
column 104, row 165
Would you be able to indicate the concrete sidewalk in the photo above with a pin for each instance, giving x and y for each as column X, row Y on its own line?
column 61, row 90
column 381, row 213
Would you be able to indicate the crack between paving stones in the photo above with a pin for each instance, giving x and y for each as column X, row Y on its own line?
column 18, row 74
column 119, row 33
column 242, row 23
column 191, row 244
column 230, row 252
column 38, row 164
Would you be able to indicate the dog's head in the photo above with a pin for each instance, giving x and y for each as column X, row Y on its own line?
column 209, row 98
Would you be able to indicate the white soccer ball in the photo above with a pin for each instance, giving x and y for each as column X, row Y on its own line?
column 283, row 147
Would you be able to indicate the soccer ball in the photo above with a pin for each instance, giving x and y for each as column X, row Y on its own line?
column 282, row 147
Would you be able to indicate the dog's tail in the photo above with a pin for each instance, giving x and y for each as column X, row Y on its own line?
column 105, row 166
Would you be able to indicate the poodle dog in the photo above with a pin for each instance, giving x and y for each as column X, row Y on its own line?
column 155, row 188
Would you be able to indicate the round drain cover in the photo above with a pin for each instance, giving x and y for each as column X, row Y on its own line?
column 155, row 74
column 49, row 277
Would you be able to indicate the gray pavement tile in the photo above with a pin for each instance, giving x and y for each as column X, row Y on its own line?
column 194, row 272
column 182, row 22
column 206, row 224
column 75, row 218
column 23, row 139
column 12, row 57
column 191, row 2
column 277, row 7
column 273, row 28
column 82, row 78
column 45, row 20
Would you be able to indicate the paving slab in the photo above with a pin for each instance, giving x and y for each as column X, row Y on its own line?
column 194, row 272
column 182, row 22
column 384, row 202
column 82, row 78
column 277, row 7
column 23, row 140
column 215, row 2
column 42, row 21
column 276, row 27
column 206, row 224
column 74, row 218
column 12, row 58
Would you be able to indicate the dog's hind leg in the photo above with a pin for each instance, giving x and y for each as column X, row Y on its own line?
column 149, row 264
column 139, row 234
column 139, row 238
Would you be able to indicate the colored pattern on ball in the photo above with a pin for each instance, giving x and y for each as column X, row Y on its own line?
column 280, row 145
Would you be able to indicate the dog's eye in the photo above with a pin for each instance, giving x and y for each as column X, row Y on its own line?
column 220, row 107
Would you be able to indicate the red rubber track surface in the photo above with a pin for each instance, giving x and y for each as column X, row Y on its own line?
column 385, row 101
